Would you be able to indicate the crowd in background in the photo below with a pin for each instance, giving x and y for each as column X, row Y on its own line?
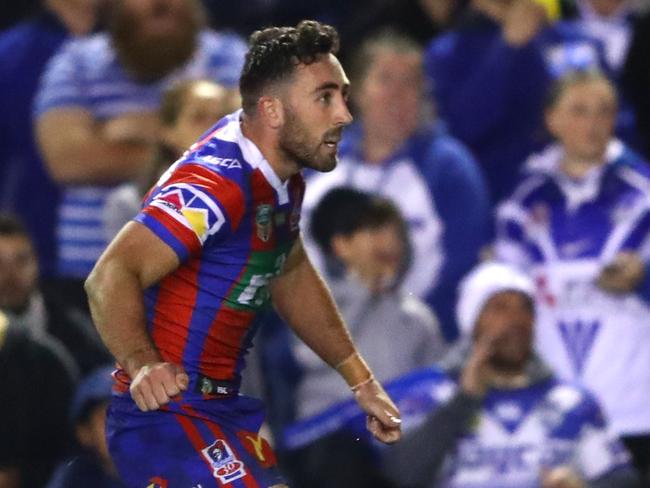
column 498, row 147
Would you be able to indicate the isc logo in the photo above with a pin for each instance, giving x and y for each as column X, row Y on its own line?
column 229, row 163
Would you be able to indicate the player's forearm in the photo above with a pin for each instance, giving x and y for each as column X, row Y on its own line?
column 304, row 302
column 116, row 303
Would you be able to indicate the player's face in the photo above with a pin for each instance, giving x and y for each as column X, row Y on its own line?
column 506, row 321
column 375, row 256
column 583, row 118
column 202, row 106
column 390, row 94
column 315, row 112
column 18, row 272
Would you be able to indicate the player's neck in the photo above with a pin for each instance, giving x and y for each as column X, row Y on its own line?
column 266, row 142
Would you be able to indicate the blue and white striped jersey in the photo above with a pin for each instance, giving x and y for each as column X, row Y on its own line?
column 86, row 74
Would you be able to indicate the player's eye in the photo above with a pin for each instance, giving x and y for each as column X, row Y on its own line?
column 325, row 98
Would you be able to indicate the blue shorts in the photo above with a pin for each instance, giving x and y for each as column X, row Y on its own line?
column 192, row 443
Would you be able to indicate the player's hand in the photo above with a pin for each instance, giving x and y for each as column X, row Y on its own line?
column 623, row 275
column 156, row 384
column 384, row 420
column 562, row 477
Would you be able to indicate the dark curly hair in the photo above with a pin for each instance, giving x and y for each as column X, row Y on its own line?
column 275, row 52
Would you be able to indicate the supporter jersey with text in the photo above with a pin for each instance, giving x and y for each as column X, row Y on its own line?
column 565, row 232
column 232, row 223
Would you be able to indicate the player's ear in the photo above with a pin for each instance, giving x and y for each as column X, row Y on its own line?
column 271, row 110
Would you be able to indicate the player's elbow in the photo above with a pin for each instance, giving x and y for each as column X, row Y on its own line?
column 99, row 281
column 93, row 283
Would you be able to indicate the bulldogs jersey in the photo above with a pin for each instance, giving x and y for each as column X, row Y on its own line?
column 232, row 223
column 565, row 232
column 515, row 434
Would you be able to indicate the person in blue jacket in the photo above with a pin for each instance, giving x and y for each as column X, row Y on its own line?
column 26, row 189
column 490, row 76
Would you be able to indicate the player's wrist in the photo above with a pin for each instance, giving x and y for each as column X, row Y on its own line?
column 135, row 360
column 355, row 371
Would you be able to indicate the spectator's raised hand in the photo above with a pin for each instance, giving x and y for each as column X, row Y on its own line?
column 562, row 477
column 523, row 21
column 623, row 274
column 478, row 373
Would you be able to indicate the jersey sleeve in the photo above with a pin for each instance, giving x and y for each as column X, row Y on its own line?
column 61, row 83
column 193, row 208
column 511, row 242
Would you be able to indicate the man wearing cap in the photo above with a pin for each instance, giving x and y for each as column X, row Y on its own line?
column 92, row 466
column 506, row 421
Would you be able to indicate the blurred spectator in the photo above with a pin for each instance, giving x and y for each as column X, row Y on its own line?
column 366, row 238
column 25, row 187
column 508, row 421
column 396, row 333
column 636, row 78
column 29, row 308
column 579, row 222
column 188, row 108
column 395, row 151
column 490, row 76
column 37, row 384
column 611, row 22
column 93, row 465
column 97, row 111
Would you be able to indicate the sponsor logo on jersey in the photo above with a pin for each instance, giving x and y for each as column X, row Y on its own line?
column 228, row 163
column 225, row 466
column 259, row 448
column 191, row 207
column 264, row 221
column 579, row 338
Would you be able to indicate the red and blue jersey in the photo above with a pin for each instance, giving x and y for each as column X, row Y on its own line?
column 232, row 222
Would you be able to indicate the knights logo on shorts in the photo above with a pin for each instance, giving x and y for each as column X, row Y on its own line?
column 157, row 482
column 225, row 466
column 263, row 221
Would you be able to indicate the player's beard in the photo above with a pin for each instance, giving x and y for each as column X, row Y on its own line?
column 298, row 145
column 149, row 58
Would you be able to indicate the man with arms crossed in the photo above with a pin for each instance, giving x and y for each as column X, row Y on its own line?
column 176, row 293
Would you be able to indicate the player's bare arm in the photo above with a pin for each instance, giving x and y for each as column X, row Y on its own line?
column 134, row 261
column 303, row 300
